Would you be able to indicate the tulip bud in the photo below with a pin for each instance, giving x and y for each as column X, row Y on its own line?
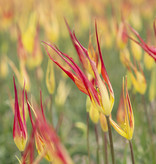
column 19, row 126
column 50, row 77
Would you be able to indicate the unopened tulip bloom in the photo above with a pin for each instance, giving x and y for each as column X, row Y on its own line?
column 19, row 126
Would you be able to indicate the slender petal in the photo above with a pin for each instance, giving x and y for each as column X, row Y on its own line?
column 19, row 126
column 151, row 50
column 126, row 127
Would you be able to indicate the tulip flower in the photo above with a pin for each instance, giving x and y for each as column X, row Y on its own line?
column 28, row 154
column 19, row 126
column 46, row 140
column 151, row 50
column 34, row 58
column 137, row 78
column 40, row 143
column 62, row 93
column 21, row 74
column 101, row 98
column 124, row 116
column 121, row 36
column 28, row 47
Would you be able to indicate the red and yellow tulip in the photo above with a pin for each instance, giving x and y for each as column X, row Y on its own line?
column 46, row 141
column 151, row 50
column 19, row 126
column 125, row 116
column 137, row 78
column 102, row 98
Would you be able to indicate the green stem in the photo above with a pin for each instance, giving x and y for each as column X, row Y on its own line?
column 88, row 138
column 131, row 149
column 105, row 152
column 97, row 143
column 110, row 139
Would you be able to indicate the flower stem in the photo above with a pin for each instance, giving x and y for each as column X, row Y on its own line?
column 105, row 152
column 110, row 139
column 131, row 149
column 97, row 143
column 88, row 138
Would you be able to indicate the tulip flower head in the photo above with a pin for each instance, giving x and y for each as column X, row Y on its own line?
column 46, row 141
column 29, row 48
column 137, row 78
column 19, row 126
column 126, row 118
column 121, row 36
column 102, row 96
column 151, row 50
column 62, row 93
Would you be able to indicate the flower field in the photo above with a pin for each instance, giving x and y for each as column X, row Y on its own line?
column 78, row 82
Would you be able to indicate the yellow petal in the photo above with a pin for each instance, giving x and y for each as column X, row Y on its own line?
column 148, row 61
column 118, row 129
column 94, row 114
column 50, row 77
column 103, row 122
column 136, row 51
